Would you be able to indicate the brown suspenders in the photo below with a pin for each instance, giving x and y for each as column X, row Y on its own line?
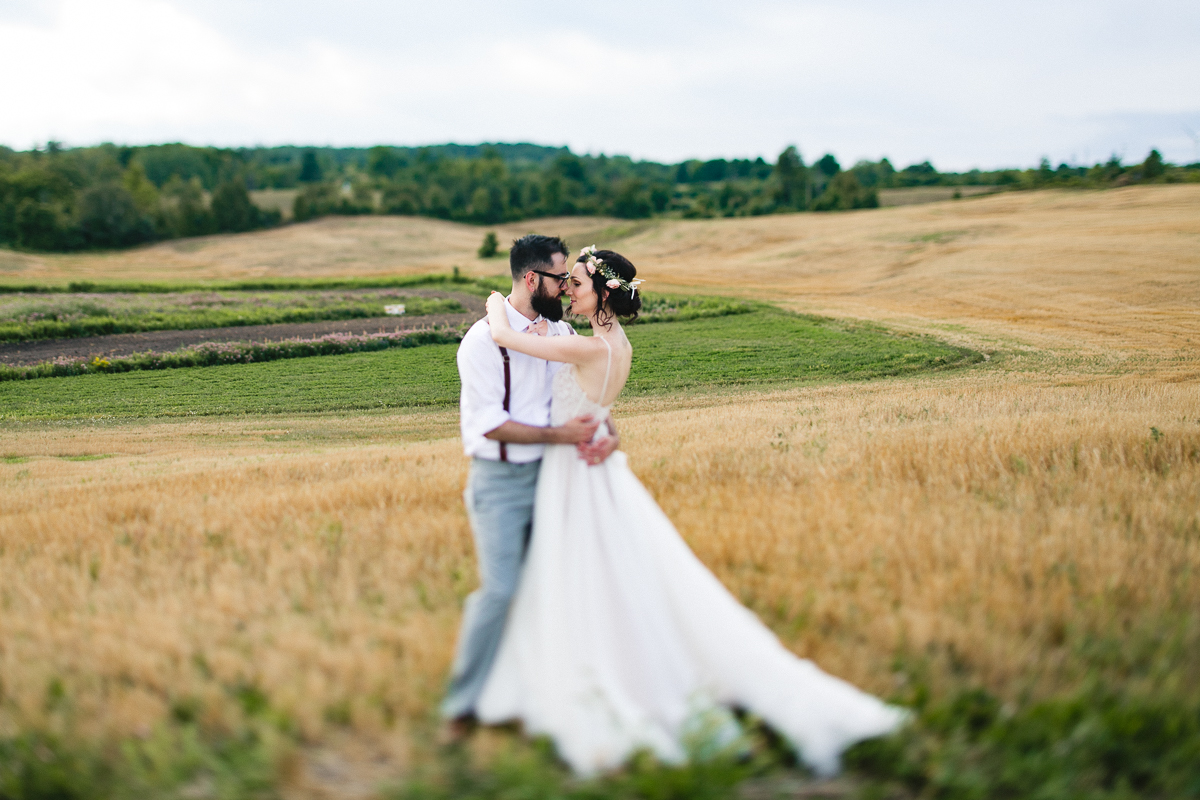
column 507, row 397
column 507, row 393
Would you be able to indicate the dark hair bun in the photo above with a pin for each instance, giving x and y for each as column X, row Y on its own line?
column 620, row 302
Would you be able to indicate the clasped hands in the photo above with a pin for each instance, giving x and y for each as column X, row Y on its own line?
column 580, row 431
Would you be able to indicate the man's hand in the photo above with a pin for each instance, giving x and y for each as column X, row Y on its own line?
column 598, row 452
column 576, row 431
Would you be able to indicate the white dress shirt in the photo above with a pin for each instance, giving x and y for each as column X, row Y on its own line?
column 481, row 369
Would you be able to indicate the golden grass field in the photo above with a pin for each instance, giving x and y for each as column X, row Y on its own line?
column 987, row 520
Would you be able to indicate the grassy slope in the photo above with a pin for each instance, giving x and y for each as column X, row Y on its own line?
column 759, row 348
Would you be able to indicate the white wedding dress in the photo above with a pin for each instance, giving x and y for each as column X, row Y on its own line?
column 619, row 639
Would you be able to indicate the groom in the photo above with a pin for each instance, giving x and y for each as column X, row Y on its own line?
column 505, row 407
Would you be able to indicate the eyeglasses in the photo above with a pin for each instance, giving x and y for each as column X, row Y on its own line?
column 562, row 279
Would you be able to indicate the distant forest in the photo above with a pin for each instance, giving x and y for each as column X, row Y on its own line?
column 61, row 199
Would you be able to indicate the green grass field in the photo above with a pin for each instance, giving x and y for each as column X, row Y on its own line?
column 761, row 348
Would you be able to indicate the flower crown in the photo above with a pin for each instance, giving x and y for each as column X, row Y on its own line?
column 612, row 279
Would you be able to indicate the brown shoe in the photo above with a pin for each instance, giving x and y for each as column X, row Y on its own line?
column 456, row 731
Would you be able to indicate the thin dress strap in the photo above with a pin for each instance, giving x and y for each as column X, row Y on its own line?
column 607, row 370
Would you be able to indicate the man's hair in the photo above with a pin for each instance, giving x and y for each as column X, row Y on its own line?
column 534, row 251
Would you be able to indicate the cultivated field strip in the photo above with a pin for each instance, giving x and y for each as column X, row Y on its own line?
column 1111, row 273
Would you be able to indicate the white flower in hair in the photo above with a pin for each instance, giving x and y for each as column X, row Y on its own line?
column 612, row 279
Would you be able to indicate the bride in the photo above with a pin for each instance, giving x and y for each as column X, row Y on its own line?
column 618, row 638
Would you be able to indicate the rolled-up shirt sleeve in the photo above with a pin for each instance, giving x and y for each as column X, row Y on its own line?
column 481, row 370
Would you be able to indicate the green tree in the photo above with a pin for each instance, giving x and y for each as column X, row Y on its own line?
column 37, row 206
column 185, row 213
column 383, row 161
column 660, row 197
column 144, row 193
column 490, row 245
column 828, row 165
column 310, row 170
column 877, row 174
column 488, row 204
column 714, row 170
column 233, row 211
column 632, row 200
column 40, row 226
column 844, row 192
column 922, row 174
column 437, row 200
column 401, row 199
column 1153, row 166
column 791, row 177
column 314, row 200
column 1044, row 173
column 570, row 166
column 109, row 217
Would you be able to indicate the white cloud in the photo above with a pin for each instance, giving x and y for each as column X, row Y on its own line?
column 138, row 69
column 961, row 84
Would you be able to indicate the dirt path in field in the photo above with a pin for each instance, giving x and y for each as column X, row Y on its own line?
column 125, row 344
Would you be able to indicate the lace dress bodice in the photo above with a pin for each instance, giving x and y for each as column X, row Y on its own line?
column 568, row 399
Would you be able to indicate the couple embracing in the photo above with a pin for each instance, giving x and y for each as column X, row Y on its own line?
column 595, row 624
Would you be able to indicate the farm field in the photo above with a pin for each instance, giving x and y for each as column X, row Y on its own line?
column 1109, row 274
column 1013, row 544
column 762, row 348
column 25, row 317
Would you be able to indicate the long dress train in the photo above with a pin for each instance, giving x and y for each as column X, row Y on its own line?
column 619, row 638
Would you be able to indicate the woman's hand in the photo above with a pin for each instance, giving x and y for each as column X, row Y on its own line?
column 498, row 319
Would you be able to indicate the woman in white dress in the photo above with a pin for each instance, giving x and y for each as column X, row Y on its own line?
column 619, row 639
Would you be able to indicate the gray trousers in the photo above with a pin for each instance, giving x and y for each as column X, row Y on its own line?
column 499, row 499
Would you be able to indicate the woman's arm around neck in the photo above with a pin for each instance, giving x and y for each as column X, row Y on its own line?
column 568, row 349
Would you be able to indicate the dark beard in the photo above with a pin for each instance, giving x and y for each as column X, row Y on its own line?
column 549, row 307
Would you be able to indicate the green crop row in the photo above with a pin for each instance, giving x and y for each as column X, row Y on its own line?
column 760, row 348
column 211, row 354
column 199, row 318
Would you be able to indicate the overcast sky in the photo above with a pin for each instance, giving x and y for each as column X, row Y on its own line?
column 963, row 84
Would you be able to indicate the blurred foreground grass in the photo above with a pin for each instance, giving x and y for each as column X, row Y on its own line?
column 220, row 603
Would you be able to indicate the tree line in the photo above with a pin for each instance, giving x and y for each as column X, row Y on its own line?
column 57, row 198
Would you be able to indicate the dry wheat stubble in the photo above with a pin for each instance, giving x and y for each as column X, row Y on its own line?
column 963, row 519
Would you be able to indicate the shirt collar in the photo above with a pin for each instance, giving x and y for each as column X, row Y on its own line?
column 517, row 320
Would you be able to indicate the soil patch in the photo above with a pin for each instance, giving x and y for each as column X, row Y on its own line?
column 126, row 344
